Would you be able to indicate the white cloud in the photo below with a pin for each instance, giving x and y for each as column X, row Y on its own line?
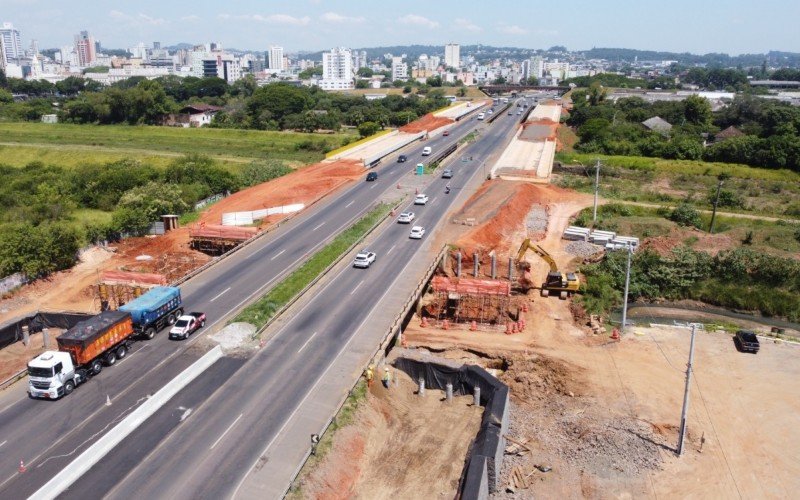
column 137, row 20
column 270, row 19
column 513, row 29
column 466, row 24
column 190, row 18
column 416, row 20
column 333, row 17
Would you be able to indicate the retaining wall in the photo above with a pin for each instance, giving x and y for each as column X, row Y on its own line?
column 486, row 456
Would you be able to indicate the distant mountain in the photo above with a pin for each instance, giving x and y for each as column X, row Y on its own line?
column 773, row 58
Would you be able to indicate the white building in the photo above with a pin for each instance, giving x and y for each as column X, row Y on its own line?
column 557, row 70
column 359, row 59
column 337, row 70
column 399, row 69
column 129, row 71
column 11, row 44
column 276, row 63
column 534, row 68
column 452, row 55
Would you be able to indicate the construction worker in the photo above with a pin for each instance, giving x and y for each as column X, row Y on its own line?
column 369, row 374
column 387, row 376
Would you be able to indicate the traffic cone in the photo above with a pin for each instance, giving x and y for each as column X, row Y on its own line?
column 615, row 334
column 22, row 467
column 446, row 324
column 513, row 328
column 108, row 400
column 398, row 185
column 473, row 326
column 424, row 322
column 508, row 328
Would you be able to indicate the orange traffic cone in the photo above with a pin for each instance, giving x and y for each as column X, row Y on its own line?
column 398, row 185
column 22, row 467
column 473, row 326
column 446, row 324
column 424, row 322
column 615, row 334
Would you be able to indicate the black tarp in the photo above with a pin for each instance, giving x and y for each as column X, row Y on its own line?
column 11, row 331
column 489, row 445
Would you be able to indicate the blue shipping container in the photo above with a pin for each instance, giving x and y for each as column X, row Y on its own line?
column 152, row 305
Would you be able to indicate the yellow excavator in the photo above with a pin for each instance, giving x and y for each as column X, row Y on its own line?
column 564, row 283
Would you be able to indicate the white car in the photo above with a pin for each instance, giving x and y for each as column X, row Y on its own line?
column 417, row 232
column 364, row 259
column 426, row 151
column 421, row 199
column 406, row 218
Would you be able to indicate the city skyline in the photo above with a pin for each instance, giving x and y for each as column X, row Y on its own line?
column 313, row 25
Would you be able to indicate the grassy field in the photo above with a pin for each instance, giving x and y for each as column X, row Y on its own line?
column 755, row 191
column 233, row 145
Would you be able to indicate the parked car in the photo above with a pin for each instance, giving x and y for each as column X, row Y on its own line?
column 364, row 259
column 417, row 232
column 447, row 173
column 426, row 151
column 406, row 217
column 372, row 176
column 401, row 159
column 421, row 199
column 187, row 324
column 746, row 341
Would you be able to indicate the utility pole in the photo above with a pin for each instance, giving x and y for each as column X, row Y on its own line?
column 596, row 188
column 721, row 177
column 627, row 285
column 686, row 393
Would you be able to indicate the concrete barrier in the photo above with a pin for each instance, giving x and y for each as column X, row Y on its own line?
column 389, row 150
column 94, row 453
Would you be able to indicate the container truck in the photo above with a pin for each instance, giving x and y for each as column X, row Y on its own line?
column 154, row 310
column 82, row 352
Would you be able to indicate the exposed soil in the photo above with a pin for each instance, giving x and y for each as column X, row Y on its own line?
column 427, row 123
column 699, row 240
column 539, row 130
column 400, row 445
column 305, row 185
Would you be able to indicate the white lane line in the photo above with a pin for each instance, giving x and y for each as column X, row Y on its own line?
column 356, row 288
column 390, row 250
column 130, row 355
column 226, row 431
column 319, row 226
column 220, row 294
column 353, row 201
column 277, row 254
column 433, row 200
column 372, row 186
column 12, row 404
column 4, row 442
column 307, row 341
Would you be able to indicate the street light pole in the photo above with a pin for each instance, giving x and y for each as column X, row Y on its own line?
column 627, row 285
column 596, row 189
column 686, row 393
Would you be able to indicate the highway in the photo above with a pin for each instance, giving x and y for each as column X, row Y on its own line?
column 261, row 392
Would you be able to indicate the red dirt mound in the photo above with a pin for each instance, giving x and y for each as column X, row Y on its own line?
column 426, row 124
column 305, row 185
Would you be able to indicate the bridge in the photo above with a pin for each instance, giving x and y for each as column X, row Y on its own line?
column 513, row 89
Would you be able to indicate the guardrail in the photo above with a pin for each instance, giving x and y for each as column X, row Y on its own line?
column 496, row 115
column 372, row 160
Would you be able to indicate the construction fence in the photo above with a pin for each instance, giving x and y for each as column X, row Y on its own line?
column 11, row 331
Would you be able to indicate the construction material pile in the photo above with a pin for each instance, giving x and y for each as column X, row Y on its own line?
column 427, row 123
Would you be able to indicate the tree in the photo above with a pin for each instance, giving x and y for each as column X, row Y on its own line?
column 461, row 92
column 260, row 171
column 685, row 215
column 362, row 84
column 597, row 94
column 697, row 111
column 500, row 80
column 364, row 72
column 148, row 103
column 142, row 205
column 434, row 81
column 6, row 97
column 275, row 101
column 367, row 129
column 308, row 73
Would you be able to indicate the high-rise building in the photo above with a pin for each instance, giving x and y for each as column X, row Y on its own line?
column 12, row 44
column 399, row 69
column 85, row 48
column 452, row 55
column 276, row 58
column 337, row 69
column 536, row 69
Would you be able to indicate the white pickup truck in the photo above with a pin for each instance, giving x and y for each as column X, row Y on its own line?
column 187, row 324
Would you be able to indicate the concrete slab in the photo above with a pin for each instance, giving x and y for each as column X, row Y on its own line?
column 386, row 143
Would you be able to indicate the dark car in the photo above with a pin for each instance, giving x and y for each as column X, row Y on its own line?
column 401, row 159
column 372, row 176
column 446, row 133
column 746, row 341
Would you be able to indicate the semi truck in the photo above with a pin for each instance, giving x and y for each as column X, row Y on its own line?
column 152, row 311
column 82, row 352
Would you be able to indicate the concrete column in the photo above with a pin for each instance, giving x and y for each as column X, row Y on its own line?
column 510, row 269
column 475, row 263
column 494, row 265
column 458, row 264
column 448, row 393
column 45, row 338
column 421, row 386
column 26, row 336
column 476, row 396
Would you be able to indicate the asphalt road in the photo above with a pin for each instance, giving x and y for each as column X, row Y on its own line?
column 209, row 454
column 46, row 435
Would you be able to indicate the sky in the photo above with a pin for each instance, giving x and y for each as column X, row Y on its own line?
column 733, row 27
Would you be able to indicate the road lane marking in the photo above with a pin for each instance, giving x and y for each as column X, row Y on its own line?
column 226, row 431
column 390, row 250
column 356, row 288
column 372, row 186
column 319, row 226
column 4, row 442
column 132, row 353
column 277, row 254
column 433, row 200
column 220, row 294
column 307, row 341
column 186, row 412
column 351, row 202
column 12, row 404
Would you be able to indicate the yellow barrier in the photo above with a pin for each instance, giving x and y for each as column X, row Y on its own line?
column 357, row 143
